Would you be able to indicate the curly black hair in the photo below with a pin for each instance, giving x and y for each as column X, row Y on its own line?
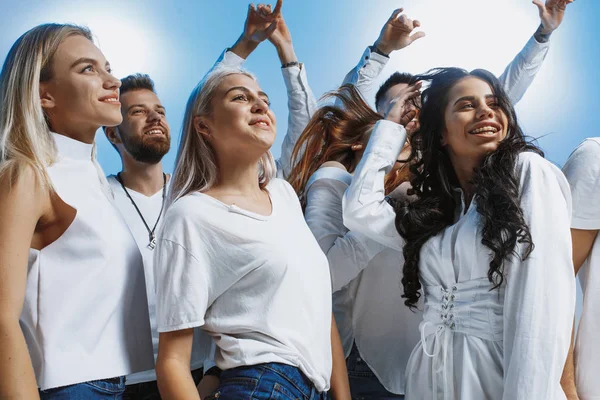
column 433, row 180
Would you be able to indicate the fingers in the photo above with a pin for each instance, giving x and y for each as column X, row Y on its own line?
column 417, row 35
column 278, row 6
column 408, row 117
column 541, row 6
column 395, row 14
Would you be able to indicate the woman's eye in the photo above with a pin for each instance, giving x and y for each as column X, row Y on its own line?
column 240, row 97
column 467, row 105
column 88, row 68
column 267, row 102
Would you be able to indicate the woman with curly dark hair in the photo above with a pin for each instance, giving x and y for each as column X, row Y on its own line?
column 486, row 241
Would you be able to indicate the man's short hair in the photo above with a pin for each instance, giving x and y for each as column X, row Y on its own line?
column 136, row 82
column 395, row 79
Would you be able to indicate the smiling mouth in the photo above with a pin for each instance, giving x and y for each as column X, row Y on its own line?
column 153, row 132
column 111, row 100
column 486, row 130
column 261, row 123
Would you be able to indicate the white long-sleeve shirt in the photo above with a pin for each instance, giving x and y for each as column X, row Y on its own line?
column 366, row 276
column 507, row 343
column 583, row 172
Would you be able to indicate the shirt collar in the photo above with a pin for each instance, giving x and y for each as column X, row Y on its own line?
column 72, row 148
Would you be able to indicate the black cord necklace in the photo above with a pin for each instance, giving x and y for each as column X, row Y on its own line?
column 151, row 236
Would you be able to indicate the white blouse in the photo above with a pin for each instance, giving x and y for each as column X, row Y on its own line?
column 583, row 172
column 85, row 315
column 478, row 343
column 259, row 285
column 366, row 276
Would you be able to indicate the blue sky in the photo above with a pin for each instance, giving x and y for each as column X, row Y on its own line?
column 177, row 42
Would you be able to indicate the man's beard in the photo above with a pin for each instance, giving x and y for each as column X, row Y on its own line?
column 149, row 153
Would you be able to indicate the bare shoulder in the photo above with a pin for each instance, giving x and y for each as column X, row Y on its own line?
column 333, row 164
column 23, row 188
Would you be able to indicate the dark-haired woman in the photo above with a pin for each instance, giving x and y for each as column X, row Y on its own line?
column 486, row 240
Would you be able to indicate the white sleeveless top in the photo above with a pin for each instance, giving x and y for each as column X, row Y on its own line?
column 85, row 315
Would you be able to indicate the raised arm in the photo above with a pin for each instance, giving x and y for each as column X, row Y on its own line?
column 22, row 204
column 519, row 74
column 366, row 209
column 260, row 23
column 302, row 103
column 396, row 33
column 348, row 252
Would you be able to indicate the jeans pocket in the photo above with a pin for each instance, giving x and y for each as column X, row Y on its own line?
column 105, row 387
column 236, row 388
column 282, row 393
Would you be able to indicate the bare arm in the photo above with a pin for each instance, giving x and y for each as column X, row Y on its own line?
column 583, row 241
column 175, row 380
column 21, row 207
column 340, row 388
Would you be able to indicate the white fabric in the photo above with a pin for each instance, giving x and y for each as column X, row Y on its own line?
column 366, row 276
column 150, row 207
column 85, row 314
column 259, row 285
column 583, row 172
column 480, row 344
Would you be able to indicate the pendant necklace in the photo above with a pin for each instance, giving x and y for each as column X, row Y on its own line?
column 151, row 237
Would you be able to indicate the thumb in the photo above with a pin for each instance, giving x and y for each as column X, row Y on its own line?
column 416, row 35
column 541, row 7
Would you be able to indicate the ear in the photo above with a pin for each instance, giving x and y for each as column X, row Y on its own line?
column 443, row 139
column 201, row 125
column 46, row 98
column 111, row 133
column 357, row 147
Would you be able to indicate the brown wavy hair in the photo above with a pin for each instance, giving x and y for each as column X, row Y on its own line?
column 330, row 135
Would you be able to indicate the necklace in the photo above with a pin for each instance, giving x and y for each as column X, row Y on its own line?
column 151, row 236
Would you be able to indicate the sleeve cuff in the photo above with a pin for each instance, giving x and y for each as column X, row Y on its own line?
column 585, row 224
column 230, row 59
column 387, row 140
column 294, row 77
column 533, row 47
column 373, row 61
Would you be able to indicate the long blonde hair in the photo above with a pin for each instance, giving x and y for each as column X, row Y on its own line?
column 25, row 138
column 196, row 165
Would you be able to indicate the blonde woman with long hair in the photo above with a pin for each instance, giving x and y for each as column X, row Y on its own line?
column 236, row 258
column 73, row 313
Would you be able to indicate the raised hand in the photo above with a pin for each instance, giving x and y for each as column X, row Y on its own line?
column 551, row 14
column 401, row 110
column 396, row 33
column 281, row 35
column 261, row 22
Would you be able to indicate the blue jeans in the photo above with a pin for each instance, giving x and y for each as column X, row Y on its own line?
column 103, row 389
column 364, row 385
column 266, row 381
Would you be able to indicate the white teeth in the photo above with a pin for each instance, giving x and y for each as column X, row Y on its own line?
column 154, row 132
column 262, row 123
column 111, row 100
column 485, row 129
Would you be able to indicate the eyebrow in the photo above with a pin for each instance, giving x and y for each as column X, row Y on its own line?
column 472, row 98
column 246, row 90
column 88, row 61
column 144, row 106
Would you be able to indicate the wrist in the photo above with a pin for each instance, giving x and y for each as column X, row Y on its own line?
column 542, row 35
column 286, row 53
column 243, row 47
column 380, row 47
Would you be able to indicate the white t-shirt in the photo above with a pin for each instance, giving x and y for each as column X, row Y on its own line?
column 150, row 207
column 259, row 285
column 583, row 172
